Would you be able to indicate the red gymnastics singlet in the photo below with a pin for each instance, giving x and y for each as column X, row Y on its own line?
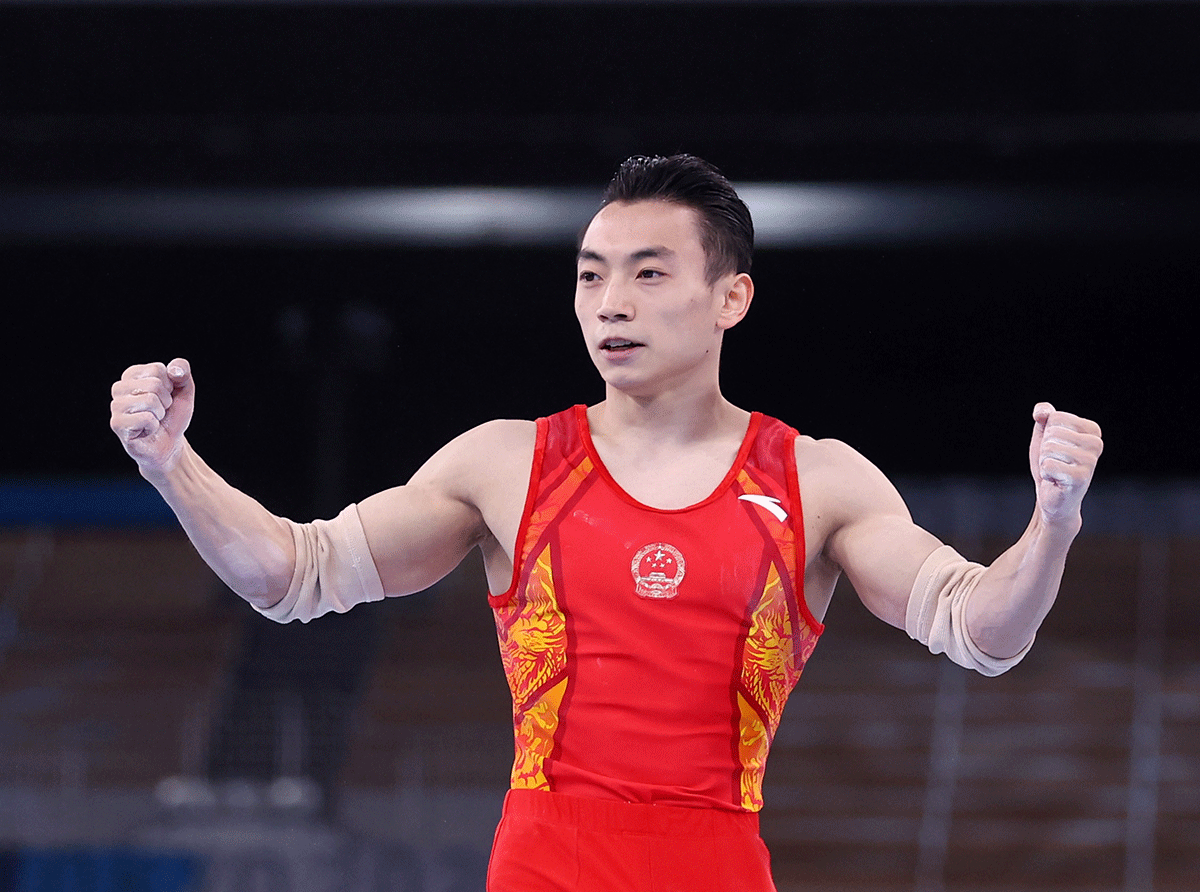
column 650, row 652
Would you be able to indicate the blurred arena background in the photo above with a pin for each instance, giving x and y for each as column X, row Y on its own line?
column 357, row 220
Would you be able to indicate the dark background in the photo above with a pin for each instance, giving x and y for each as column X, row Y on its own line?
column 927, row 357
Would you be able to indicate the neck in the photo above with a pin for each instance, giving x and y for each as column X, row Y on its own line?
column 669, row 417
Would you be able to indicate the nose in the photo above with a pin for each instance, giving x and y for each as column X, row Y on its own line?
column 614, row 304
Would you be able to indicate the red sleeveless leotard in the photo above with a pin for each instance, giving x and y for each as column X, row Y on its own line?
column 650, row 652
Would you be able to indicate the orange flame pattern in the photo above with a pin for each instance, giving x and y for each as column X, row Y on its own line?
column 772, row 659
column 533, row 648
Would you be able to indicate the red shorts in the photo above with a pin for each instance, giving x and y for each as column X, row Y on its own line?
column 548, row 842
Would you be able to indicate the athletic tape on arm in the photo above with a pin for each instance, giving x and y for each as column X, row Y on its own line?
column 334, row 569
column 936, row 614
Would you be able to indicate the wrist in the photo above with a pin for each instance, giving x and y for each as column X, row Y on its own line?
column 1058, row 529
column 166, row 473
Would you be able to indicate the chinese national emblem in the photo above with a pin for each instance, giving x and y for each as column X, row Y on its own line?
column 658, row 569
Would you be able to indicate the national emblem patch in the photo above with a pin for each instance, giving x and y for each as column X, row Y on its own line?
column 658, row 569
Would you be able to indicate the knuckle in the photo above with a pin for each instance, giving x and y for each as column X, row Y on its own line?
column 142, row 379
column 143, row 370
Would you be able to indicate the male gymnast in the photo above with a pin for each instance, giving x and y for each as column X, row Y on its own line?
column 659, row 562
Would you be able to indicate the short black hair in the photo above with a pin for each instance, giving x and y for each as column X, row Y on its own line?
column 726, row 230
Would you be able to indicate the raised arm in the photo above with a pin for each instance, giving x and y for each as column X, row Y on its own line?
column 1015, row 594
column 415, row 533
column 905, row 576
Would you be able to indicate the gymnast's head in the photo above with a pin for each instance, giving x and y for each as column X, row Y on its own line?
column 663, row 272
column 725, row 228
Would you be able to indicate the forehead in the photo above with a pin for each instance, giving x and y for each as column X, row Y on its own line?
column 623, row 228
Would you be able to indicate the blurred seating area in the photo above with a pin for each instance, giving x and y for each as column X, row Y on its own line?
column 1079, row 771
column 115, row 655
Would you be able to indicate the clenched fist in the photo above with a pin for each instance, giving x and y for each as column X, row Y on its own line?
column 1062, row 458
column 151, row 408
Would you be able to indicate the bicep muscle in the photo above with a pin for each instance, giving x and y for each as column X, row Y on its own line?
column 874, row 539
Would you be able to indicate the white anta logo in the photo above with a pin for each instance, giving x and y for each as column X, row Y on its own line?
column 657, row 570
column 769, row 503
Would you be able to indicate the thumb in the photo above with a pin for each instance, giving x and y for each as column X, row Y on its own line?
column 1041, row 415
column 179, row 371
column 183, row 388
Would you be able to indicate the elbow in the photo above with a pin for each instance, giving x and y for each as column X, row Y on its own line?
column 999, row 645
column 1001, row 627
column 262, row 573
column 996, row 637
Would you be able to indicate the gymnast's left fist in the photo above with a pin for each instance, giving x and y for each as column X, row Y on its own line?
column 1062, row 459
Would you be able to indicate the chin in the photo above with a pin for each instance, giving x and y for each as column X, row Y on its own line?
column 637, row 386
column 625, row 380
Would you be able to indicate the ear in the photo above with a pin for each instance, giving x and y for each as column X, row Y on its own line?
column 736, row 300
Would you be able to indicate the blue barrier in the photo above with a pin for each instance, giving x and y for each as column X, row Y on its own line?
column 82, row 502
column 102, row 870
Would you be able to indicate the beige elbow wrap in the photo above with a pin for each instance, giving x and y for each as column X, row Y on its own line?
column 936, row 614
column 334, row 569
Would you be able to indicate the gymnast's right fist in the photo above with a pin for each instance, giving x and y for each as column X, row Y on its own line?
column 151, row 408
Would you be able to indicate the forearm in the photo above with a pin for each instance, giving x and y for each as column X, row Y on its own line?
column 248, row 547
column 1015, row 593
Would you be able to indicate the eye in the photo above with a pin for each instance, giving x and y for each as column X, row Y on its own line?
column 587, row 276
column 649, row 274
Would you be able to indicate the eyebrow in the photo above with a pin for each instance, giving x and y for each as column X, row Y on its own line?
column 642, row 254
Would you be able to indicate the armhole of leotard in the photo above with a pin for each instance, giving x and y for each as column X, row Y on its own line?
column 793, row 485
column 535, row 476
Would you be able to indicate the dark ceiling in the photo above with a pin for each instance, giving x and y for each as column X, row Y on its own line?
column 550, row 93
